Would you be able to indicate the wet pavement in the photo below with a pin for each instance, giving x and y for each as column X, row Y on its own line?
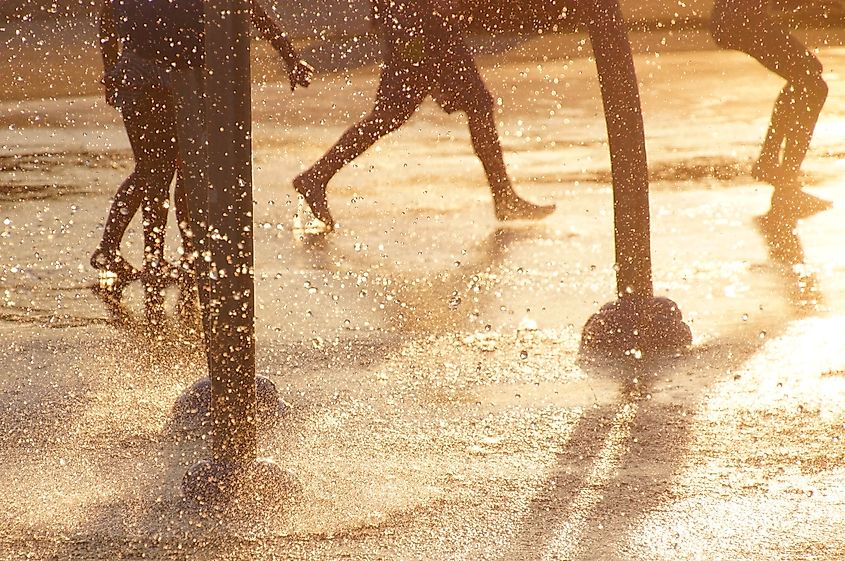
column 438, row 406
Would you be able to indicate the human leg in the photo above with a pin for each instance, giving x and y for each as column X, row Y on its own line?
column 183, row 217
column 106, row 256
column 745, row 26
column 799, row 104
column 163, row 158
column 793, row 121
column 150, row 135
column 460, row 87
column 507, row 204
column 157, row 197
column 397, row 98
column 191, row 193
column 154, row 276
column 183, row 273
column 191, row 186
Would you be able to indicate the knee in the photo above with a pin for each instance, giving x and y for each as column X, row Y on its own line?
column 816, row 80
column 481, row 105
column 390, row 119
column 820, row 90
column 812, row 85
column 484, row 102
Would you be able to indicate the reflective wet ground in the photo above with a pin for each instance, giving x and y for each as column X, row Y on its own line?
column 438, row 408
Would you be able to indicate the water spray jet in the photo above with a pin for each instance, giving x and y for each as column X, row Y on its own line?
column 220, row 208
column 636, row 324
column 192, row 410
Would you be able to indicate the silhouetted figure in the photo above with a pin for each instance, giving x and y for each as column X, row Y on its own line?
column 153, row 53
column 745, row 25
column 424, row 54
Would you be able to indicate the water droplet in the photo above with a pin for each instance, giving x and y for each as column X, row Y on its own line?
column 454, row 301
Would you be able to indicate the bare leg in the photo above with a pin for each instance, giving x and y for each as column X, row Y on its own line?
column 150, row 129
column 746, row 27
column 192, row 184
column 797, row 108
column 793, row 121
column 767, row 164
column 107, row 255
column 485, row 141
column 185, row 274
column 154, row 212
column 458, row 85
column 812, row 95
column 154, row 275
column 183, row 217
column 389, row 114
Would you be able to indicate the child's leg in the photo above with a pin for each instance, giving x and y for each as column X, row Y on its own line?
column 153, row 277
column 797, row 109
column 387, row 115
column 183, row 218
column 151, row 138
column 123, row 208
column 397, row 98
column 461, row 87
column 748, row 29
column 485, row 141
column 185, row 273
column 163, row 155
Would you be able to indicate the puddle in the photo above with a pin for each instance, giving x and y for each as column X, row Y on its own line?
column 41, row 192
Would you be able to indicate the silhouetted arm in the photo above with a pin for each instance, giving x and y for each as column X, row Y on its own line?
column 299, row 71
column 109, row 44
column 268, row 30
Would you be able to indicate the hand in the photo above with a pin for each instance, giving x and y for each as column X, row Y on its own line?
column 112, row 93
column 300, row 74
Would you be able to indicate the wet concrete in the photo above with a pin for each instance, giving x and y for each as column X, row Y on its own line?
column 439, row 409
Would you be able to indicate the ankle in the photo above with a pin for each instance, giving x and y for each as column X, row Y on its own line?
column 503, row 193
column 313, row 176
column 769, row 157
column 103, row 255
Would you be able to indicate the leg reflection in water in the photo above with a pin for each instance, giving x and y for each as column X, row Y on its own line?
column 787, row 254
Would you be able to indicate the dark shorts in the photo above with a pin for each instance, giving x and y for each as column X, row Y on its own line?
column 425, row 55
column 741, row 24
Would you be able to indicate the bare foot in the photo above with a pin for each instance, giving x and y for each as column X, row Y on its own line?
column 516, row 208
column 314, row 192
column 112, row 262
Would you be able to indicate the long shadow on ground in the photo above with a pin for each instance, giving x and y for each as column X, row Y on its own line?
column 621, row 460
